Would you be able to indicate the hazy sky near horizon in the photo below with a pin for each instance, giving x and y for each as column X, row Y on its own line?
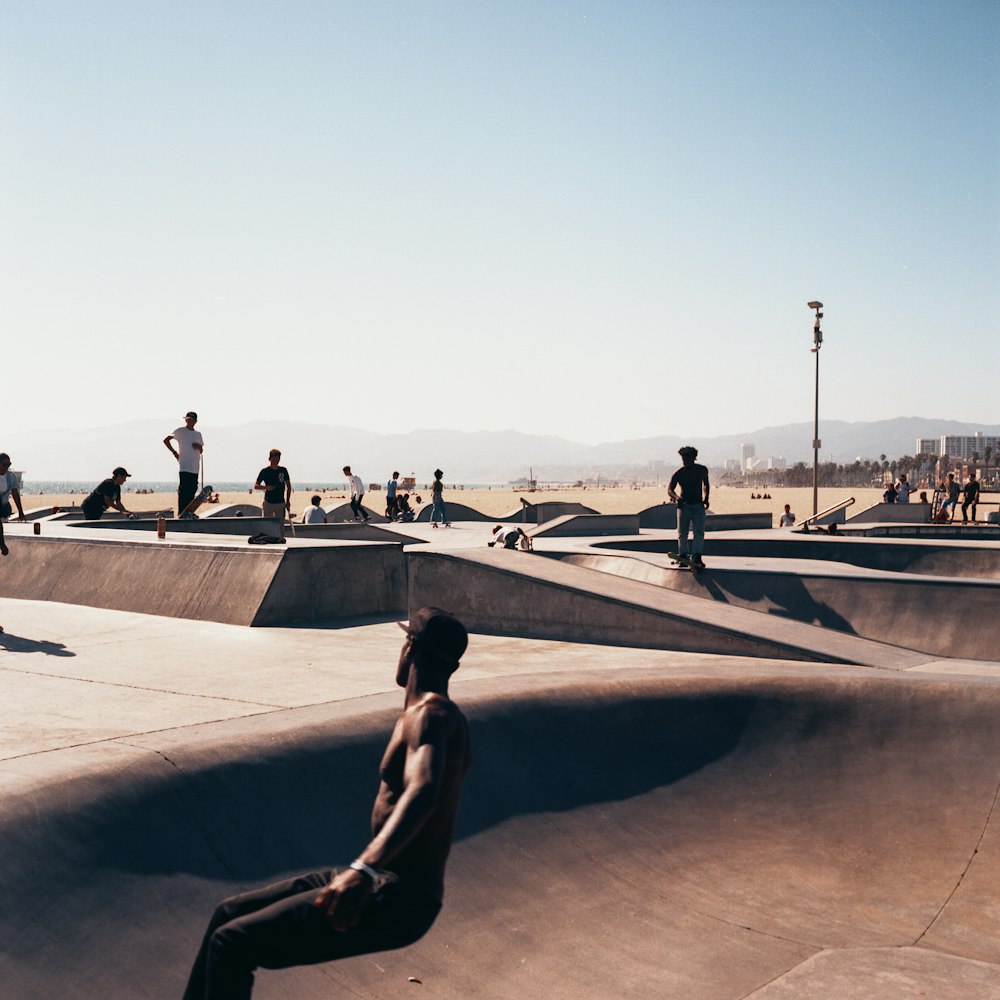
column 601, row 220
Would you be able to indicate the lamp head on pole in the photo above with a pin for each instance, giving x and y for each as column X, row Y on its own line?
column 817, row 332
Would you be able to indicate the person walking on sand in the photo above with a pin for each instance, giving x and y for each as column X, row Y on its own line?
column 190, row 447
column 9, row 490
column 788, row 518
column 277, row 485
column 357, row 488
column 692, row 502
column 437, row 501
column 107, row 493
column 391, row 894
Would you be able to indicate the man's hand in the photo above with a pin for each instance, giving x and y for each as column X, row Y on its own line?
column 343, row 899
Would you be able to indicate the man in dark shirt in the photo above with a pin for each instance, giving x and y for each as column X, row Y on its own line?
column 692, row 502
column 970, row 494
column 277, row 486
column 104, row 495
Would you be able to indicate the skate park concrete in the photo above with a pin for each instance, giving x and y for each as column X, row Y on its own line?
column 931, row 614
column 638, row 822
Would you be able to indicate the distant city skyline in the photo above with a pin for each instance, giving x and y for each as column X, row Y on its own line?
column 595, row 220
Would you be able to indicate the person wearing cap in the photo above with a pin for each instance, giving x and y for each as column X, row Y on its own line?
column 390, row 895
column 692, row 502
column 190, row 446
column 107, row 493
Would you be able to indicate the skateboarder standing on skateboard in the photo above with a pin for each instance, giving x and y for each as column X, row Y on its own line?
column 357, row 494
column 692, row 502
column 190, row 446
column 277, row 484
column 390, row 895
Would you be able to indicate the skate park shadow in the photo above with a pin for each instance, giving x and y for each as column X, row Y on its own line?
column 20, row 644
column 784, row 596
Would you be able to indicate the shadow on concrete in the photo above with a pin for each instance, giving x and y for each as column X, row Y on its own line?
column 19, row 644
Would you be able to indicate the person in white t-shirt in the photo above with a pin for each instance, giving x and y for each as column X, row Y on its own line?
column 508, row 537
column 788, row 518
column 903, row 490
column 8, row 490
column 190, row 446
column 357, row 494
column 314, row 514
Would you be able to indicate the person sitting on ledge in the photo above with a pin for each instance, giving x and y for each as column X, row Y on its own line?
column 314, row 514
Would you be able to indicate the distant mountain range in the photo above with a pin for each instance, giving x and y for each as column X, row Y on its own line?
column 316, row 453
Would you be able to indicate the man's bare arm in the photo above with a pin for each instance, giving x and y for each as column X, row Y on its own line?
column 426, row 739
column 173, row 451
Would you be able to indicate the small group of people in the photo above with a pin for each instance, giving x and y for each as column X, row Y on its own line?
column 899, row 492
column 969, row 493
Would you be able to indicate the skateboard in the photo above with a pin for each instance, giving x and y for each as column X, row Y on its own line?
column 683, row 562
column 199, row 498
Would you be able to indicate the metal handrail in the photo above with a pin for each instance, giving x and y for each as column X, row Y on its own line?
column 830, row 510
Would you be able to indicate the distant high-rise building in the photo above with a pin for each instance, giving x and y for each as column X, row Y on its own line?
column 959, row 445
column 748, row 453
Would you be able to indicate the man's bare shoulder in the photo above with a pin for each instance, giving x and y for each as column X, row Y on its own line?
column 434, row 713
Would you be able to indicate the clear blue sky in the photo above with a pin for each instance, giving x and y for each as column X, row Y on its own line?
column 597, row 220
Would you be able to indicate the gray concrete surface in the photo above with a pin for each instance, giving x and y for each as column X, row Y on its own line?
column 932, row 614
column 208, row 578
column 638, row 823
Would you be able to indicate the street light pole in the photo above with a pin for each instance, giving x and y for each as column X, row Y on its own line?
column 817, row 444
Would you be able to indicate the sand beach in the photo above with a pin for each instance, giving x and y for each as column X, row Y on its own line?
column 501, row 500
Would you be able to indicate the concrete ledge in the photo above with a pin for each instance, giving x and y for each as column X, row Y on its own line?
column 664, row 515
column 899, row 513
column 586, row 525
column 237, row 585
column 245, row 526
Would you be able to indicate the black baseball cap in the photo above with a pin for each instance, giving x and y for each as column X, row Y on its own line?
column 191, row 414
column 438, row 632
column 121, row 471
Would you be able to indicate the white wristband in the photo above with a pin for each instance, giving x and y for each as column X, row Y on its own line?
column 360, row 866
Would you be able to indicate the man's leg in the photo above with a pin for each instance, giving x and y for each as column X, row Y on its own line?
column 280, row 926
column 361, row 510
column 275, row 510
column 698, row 524
column 186, row 489
column 683, row 527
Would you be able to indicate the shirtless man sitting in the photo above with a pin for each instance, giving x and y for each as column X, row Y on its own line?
column 391, row 894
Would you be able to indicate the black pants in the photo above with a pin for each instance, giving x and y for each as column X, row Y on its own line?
column 280, row 926
column 359, row 511
column 92, row 511
column 186, row 490
column 392, row 507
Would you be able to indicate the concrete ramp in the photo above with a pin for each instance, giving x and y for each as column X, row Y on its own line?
column 233, row 583
column 517, row 593
column 583, row 525
column 942, row 616
column 640, row 834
